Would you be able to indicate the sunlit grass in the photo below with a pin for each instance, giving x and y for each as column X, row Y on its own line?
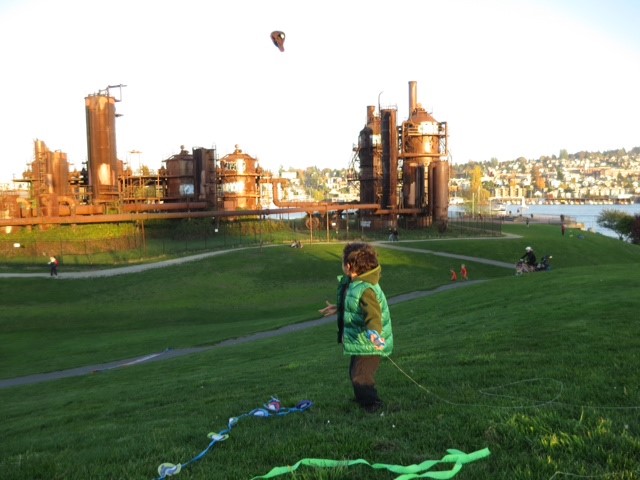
column 541, row 369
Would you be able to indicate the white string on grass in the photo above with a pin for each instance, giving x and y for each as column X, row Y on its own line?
column 574, row 475
column 552, row 401
column 548, row 402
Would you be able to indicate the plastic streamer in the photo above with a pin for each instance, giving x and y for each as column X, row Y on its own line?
column 456, row 457
column 272, row 408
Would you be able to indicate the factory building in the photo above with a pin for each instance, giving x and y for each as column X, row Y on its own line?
column 402, row 171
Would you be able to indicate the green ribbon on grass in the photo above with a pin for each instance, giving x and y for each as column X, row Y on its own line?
column 456, row 457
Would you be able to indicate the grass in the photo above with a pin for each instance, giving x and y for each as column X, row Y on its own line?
column 541, row 369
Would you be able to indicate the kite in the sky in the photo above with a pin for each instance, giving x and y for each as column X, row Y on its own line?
column 277, row 37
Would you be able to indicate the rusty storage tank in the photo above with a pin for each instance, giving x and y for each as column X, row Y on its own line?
column 50, row 170
column 49, row 178
column 205, row 174
column 181, row 181
column 389, row 139
column 439, row 190
column 101, row 146
column 60, row 173
column 238, row 178
column 370, row 158
column 424, row 140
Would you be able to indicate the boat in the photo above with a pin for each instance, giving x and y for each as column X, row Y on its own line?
column 498, row 210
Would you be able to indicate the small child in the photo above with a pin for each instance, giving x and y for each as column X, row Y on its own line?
column 364, row 321
column 463, row 272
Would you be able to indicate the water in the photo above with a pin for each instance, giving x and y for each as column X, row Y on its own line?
column 587, row 215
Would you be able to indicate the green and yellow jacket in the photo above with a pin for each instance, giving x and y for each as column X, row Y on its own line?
column 362, row 307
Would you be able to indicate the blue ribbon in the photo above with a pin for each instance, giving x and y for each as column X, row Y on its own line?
column 272, row 408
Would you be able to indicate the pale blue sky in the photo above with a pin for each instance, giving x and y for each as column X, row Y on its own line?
column 512, row 78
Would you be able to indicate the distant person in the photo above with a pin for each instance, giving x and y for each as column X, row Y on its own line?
column 563, row 227
column 364, row 321
column 53, row 266
column 463, row 272
column 529, row 259
column 454, row 275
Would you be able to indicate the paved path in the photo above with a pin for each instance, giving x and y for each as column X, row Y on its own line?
column 173, row 353
column 110, row 272
column 486, row 261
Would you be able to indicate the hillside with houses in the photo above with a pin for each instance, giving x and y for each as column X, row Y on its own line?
column 582, row 177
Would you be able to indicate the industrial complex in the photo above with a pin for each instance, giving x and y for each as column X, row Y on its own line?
column 402, row 171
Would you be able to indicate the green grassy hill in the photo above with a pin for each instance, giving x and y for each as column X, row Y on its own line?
column 540, row 369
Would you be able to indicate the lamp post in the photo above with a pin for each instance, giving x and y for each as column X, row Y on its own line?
column 138, row 153
column 473, row 204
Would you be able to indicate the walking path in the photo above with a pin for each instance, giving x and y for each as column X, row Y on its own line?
column 171, row 353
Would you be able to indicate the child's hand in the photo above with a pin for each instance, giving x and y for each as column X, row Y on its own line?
column 376, row 339
column 329, row 310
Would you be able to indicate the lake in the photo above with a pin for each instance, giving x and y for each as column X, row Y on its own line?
column 587, row 215
column 584, row 214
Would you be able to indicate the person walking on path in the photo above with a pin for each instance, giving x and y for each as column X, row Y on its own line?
column 53, row 265
column 364, row 321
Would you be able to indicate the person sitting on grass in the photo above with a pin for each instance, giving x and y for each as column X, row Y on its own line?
column 529, row 259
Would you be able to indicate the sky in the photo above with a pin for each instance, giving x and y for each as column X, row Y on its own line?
column 511, row 78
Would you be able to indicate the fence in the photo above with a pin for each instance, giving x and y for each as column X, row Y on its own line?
column 143, row 243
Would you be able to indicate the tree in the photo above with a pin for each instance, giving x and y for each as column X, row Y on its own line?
column 635, row 230
column 538, row 179
column 617, row 221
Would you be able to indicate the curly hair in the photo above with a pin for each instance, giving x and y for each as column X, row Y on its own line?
column 361, row 256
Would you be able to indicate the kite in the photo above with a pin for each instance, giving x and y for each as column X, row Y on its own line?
column 273, row 408
column 422, row 470
column 277, row 37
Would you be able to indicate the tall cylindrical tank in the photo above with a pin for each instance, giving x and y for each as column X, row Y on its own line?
column 205, row 168
column 60, row 173
column 49, row 177
column 423, row 141
column 369, row 155
column 239, row 177
column 439, row 190
column 389, row 139
column 101, row 146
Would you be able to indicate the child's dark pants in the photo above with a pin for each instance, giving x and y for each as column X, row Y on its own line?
column 362, row 370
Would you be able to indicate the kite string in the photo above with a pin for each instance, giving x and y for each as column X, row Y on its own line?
column 552, row 401
column 460, row 404
column 574, row 475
